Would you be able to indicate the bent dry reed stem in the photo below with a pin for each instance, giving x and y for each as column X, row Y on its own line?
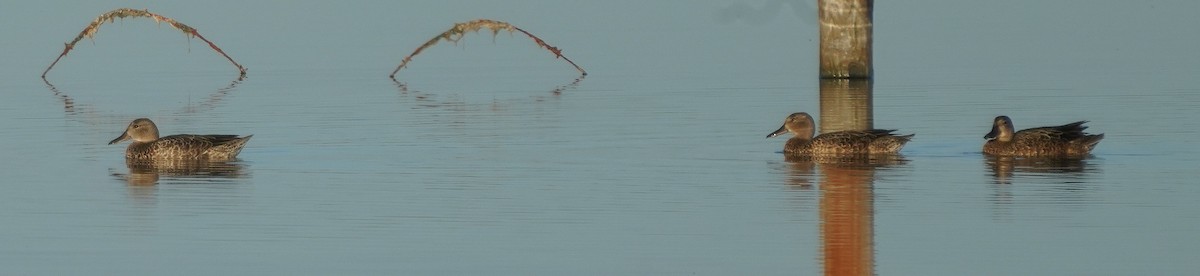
column 90, row 32
column 455, row 33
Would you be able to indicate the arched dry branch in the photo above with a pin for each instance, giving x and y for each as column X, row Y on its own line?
column 91, row 29
column 461, row 29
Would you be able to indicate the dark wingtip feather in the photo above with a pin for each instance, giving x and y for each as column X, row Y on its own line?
column 1092, row 140
column 1073, row 127
column 881, row 132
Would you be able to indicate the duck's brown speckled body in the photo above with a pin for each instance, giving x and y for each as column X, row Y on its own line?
column 1067, row 140
column 147, row 145
column 850, row 142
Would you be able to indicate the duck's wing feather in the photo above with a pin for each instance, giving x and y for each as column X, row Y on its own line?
column 1065, row 132
column 191, row 140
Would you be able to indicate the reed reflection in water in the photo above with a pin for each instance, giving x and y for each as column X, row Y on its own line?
column 71, row 108
column 424, row 99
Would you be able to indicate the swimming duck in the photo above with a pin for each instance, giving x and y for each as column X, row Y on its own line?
column 147, row 145
column 849, row 142
column 1067, row 140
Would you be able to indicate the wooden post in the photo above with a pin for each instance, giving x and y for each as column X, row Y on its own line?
column 846, row 105
column 845, row 38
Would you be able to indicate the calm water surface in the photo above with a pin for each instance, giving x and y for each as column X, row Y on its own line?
column 492, row 157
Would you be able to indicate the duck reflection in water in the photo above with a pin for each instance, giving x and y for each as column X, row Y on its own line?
column 148, row 172
column 1005, row 168
column 803, row 170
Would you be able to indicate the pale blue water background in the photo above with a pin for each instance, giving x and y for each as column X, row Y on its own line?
column 655, row 164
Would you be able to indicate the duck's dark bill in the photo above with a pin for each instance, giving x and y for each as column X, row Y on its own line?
column 124, row 136
column 780, row 131
column 995, row 132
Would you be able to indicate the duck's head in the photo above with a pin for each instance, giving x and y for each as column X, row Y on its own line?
column 799, row 124
column 1002, row 129
column 140, row 130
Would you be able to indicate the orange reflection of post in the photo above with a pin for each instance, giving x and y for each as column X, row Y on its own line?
column 847, row 220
